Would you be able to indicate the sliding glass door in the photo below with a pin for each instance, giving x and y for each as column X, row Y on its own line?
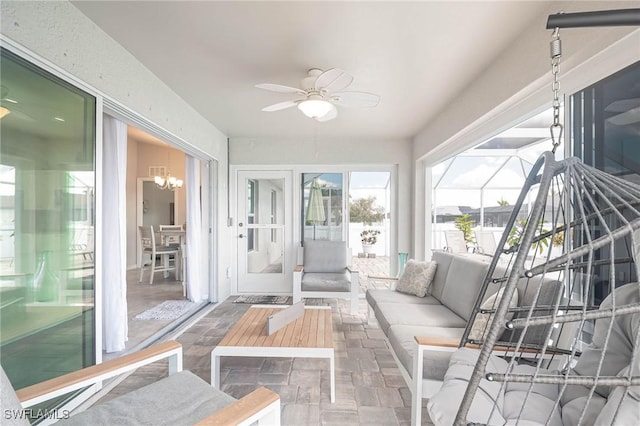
column 47, row 219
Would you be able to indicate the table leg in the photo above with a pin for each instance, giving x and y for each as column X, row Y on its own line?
column 332, row 379
column 215, row 370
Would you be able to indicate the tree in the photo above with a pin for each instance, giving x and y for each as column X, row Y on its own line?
column 503, row 202
column 362, row 210
column 465, row 224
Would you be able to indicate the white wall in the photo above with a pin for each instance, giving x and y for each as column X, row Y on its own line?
column 361, row 153
column 516, row 84
column 59, row 33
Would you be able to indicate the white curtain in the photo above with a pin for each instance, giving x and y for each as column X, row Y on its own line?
column 114, row 249
column 197, row 280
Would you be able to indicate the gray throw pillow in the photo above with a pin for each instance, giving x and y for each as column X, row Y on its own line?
column 416, row 278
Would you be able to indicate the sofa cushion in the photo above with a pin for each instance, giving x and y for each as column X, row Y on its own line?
column 443, row 259
column 375, row 296
column 427, row 315
column 482, row 321
column 325, row 256
column 140, row 407
column 320, row 281
column 464, row 280
column 550, row 290
column 402, row 340
column 417, row 278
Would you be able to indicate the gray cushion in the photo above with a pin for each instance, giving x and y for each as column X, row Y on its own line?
column 527, row 292
column 464, row 280
column 10, row 403
column 318, row 281
column 182, row 398
column 401, row 338
column 325, row 256
column 375, row 296
column 531, row 407
column 427, row 315
column 443, row 259
column 619, row 349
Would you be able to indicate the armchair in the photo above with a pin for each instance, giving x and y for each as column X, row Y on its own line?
column 181, row 398
column 325, row 273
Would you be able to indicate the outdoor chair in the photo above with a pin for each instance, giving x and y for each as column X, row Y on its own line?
column 180, row 398
column 455, row 242
column 485, row 242
column 325, row 273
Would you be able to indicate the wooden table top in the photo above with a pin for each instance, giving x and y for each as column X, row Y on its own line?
column 312, row 330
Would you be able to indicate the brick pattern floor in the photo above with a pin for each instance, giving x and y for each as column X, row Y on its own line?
column 369, row 387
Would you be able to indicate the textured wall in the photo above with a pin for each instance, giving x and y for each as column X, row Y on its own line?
column 57, row 32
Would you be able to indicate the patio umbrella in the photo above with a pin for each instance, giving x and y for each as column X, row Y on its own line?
column 315, row 209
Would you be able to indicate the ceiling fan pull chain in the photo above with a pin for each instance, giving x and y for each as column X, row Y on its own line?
column 556, row 128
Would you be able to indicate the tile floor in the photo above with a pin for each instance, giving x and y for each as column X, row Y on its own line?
column 369, row 387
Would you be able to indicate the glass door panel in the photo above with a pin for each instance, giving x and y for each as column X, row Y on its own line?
column 264, row 222
column 47, row 219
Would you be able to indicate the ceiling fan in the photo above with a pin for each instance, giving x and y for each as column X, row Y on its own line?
column 320, row 94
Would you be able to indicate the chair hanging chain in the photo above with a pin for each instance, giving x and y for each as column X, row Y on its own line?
column 556, row 53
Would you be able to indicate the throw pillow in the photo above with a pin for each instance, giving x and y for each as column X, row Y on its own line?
column 416, row 278
column 481, row 325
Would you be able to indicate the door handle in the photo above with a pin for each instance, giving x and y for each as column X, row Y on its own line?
column 241, row 236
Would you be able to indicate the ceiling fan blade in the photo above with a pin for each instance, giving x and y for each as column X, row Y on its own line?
column 333, row 113
column 280, row 106
column 333, row 80
column 355, row 99
column 280, row 88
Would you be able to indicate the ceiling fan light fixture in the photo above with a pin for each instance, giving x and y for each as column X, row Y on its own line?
column 315, row 108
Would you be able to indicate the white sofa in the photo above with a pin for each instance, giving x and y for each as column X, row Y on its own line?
column 433, row 326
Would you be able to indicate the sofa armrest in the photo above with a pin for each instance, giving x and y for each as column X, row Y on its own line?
column 57, row 386
column 247, row 410
column 443, row 342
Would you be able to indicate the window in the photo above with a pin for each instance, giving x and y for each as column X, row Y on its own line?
column 322, row 206
column 251, row 214
column 274, row 212
column 47, row 181
column 605, row 129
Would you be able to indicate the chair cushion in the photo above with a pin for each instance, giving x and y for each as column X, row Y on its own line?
column 182, row 398
column 325, row 256
column 375, row 296
column 320, row 281
column 417, row 278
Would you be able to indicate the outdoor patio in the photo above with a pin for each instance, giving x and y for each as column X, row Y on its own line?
column 369, row 387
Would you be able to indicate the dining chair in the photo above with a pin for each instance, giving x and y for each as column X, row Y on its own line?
column 171, row 234
column 148, row 246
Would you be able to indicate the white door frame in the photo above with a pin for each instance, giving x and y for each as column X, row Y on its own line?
column 268, row 283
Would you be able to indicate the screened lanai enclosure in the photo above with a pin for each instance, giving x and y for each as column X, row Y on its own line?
column 482, row 184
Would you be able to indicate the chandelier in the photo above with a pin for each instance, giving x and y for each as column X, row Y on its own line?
column 168, row 182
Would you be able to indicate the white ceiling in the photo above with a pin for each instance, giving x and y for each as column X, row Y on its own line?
column 416, row 55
